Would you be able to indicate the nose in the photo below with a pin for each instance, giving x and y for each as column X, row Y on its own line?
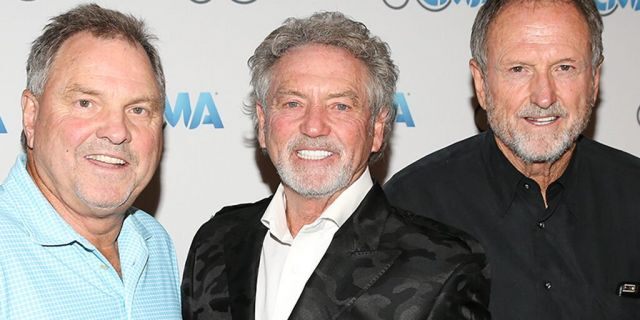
column 543, row 91
column 315, row 122
column 114, row 127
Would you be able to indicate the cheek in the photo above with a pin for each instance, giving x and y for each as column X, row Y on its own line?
column 147, row 142
column 65, row 135
column 280, row 128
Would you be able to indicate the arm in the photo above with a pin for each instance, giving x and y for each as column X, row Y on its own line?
column 465, row 294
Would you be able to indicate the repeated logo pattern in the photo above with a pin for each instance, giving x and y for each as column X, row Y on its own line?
column 606, row 7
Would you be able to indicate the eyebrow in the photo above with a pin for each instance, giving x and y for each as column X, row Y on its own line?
column 77, row 88
column 344, row 94
column 290, row 93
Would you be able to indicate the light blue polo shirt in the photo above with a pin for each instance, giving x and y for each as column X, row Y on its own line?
column 49, row 271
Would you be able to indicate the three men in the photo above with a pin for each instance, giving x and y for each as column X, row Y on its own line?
column 327, row 245
column 556, row 212
column 72, row 247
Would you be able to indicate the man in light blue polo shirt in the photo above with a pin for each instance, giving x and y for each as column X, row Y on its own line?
column 71, row 245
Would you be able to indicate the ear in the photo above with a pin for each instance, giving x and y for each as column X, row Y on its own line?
column 478, row 82
column 261, row 125
column 596, row 83
column 378, row 129
column 30, row 108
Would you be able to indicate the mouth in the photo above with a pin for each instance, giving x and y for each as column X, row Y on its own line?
column 105, row 159
column 314, row 154
column 543, row 121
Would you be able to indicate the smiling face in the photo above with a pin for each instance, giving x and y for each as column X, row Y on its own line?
column 95, row 134
column 539, row 87
column 317, row 127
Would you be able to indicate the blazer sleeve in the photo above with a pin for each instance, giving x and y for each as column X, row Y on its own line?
column 187, row 282
column 465, row 294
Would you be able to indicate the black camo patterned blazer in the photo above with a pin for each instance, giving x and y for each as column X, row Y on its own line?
column 383, row 263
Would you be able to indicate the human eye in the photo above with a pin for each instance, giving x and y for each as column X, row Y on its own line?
column 516, row 69
column 291, row 104
column 139, row 110
column 342, row 106
column 84, row 103
column 566, row 67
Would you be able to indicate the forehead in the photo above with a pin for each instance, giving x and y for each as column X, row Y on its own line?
column 316, row 63
column 538, row 22
column 85, row 57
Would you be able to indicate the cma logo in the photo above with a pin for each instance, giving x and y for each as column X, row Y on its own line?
column 431, row 5
column 236, row 1
column 3, row 129
column 404, row 113
column 204, row 113
column 606, row 7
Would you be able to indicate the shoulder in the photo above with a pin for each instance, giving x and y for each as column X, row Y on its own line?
column 231, row 217
column 428, row 233
column 462, row 155
column 11, row 222
column 445, row 257
column 157, row 238
column 594, row 153
column 145, row 220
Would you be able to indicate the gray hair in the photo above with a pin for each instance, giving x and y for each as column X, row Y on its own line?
column 101, row 23
column 333, row 29
column 492, row 8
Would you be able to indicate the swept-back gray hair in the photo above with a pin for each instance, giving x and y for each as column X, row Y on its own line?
column 334, row 29
column 100, row 22
column 492, row 8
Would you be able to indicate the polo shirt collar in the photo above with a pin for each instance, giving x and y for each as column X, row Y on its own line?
column 41, row 220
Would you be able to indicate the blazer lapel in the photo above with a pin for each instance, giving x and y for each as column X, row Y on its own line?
column 352, row 264
column 242, row 255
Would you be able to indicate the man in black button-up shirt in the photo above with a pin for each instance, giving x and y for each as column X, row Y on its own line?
column 558, row 213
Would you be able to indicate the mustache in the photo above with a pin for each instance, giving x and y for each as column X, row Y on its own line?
column 532, row 110
column 304, row 142
column 121, row 151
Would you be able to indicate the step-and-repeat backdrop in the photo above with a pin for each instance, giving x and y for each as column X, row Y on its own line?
column 210, row 160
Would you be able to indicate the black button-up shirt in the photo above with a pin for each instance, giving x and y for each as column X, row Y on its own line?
column 563, row 261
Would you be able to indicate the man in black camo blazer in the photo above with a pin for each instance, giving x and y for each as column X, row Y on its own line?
column 320, row 124
column 383, row 264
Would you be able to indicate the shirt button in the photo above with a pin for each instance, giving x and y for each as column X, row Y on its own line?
column 527, row 186
column 547, row 285
column 541, row 225
column 104, row 267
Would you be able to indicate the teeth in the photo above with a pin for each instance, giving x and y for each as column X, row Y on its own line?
column 106, row 159
column 542, row 121
column 313, row 154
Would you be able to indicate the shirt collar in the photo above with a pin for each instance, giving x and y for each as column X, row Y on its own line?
column 506, row 179
column 274, row 217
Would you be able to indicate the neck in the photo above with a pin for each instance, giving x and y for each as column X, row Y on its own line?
column 101, row 229
column 302, row 210
column 543, row 173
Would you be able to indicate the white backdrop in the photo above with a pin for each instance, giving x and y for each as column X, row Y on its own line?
column 208, row 163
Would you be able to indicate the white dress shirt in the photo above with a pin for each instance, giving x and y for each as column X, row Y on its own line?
column 286, row 263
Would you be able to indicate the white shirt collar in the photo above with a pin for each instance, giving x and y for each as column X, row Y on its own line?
column 274, row 217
